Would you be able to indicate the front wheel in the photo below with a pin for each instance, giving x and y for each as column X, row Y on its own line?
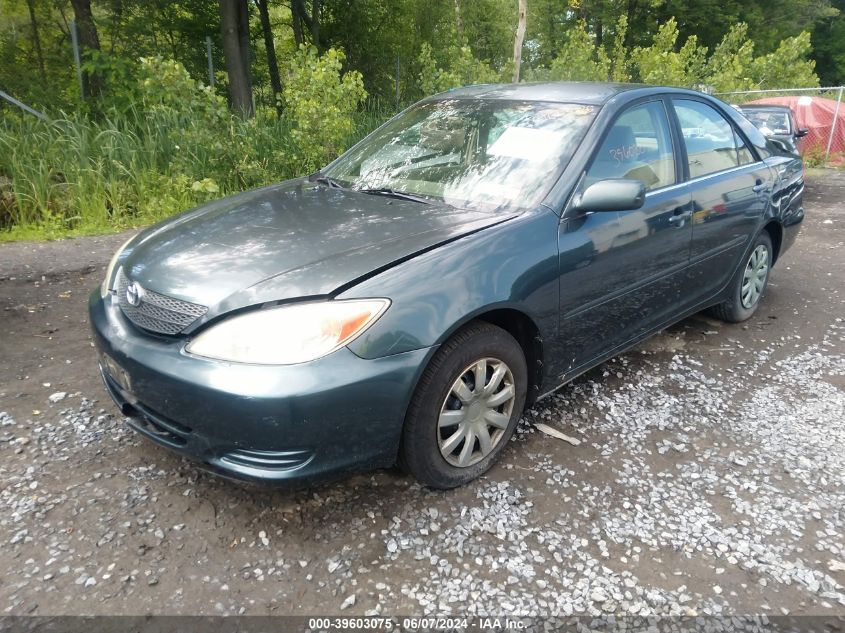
column 465, row 408
column 749, row 283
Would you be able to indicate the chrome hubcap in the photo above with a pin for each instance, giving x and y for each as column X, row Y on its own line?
column 476, row 412
column 754, row 277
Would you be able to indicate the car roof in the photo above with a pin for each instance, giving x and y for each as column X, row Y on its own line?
column 584, row 92
column 764, row 106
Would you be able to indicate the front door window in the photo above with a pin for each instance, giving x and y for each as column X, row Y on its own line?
column 638, row 146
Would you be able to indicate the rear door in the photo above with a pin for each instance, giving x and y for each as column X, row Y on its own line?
column 729, row 189
column 622, row 272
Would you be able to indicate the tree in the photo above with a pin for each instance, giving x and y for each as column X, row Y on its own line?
column 769, row 21
column 321, row 100
column 579, row 59
column 488, row 27
column 462, row 68
column 459, row 25
column 729, row 67
column 312, row 22
column 131, row 29
column 270, row 48
column 234, row 25
column 36, row 40
column 546, row 28
column 827, row 47
column 662, row 64
column 517, row 42
column 618, row 53
column 466, row 41
column 787, row 65
column 89, row 42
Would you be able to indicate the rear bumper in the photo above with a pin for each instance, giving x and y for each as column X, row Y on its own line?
column 269, row 424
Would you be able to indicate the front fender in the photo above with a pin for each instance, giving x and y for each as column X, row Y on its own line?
column 512, row 265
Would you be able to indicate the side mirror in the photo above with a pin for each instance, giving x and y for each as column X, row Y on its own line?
column 617, row 194
column 802, row 132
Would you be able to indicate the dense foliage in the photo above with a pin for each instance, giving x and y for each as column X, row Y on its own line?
column 177, row 146
column 322, row 102
column 152, row 136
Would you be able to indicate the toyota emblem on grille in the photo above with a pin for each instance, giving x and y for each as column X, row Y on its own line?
column 134, row 294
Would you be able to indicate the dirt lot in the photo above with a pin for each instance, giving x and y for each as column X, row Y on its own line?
column 711, row 478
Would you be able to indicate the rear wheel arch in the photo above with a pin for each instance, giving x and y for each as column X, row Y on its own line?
column 775, row 231
column 733, row 309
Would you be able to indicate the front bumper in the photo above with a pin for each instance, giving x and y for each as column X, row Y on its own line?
column 258, row 423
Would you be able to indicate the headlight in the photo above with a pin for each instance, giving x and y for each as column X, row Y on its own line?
column 105, row 286
column 288, row 334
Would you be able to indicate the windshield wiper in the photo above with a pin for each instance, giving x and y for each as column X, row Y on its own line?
column 393, row 193
column 326, row 180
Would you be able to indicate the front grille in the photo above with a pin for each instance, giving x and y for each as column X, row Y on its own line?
column 157, row 312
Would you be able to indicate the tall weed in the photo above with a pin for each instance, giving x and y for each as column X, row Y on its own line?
column 175, row 146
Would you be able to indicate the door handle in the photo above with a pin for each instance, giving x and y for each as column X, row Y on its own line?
column 760, row 186
column 680, row 215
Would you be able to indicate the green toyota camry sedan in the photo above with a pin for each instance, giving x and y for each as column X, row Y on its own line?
column 408, row 301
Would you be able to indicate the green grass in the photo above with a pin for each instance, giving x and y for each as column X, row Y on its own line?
column 78, row 176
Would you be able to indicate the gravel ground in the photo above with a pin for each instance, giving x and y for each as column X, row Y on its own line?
column 710, row 478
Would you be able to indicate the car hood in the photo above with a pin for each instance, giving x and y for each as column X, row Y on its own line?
column 294, row 239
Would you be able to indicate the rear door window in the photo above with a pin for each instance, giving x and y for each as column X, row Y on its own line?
column 744, row 154
column 711, row 143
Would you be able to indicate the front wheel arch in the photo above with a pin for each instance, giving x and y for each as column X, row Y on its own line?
column 418, row 451
column 523, row 328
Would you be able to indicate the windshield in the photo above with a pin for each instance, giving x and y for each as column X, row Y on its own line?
column 468, row 153
column 769, row 122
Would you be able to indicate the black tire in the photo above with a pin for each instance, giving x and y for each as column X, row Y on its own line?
column 420, row 452
column 733, row 310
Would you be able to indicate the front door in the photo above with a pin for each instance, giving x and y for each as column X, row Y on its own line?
column 621, row 272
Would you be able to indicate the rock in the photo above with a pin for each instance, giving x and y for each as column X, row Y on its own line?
column 598, row 595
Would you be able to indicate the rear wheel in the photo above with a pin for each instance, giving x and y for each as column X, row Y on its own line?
column 465, row 408
column 749, row 283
